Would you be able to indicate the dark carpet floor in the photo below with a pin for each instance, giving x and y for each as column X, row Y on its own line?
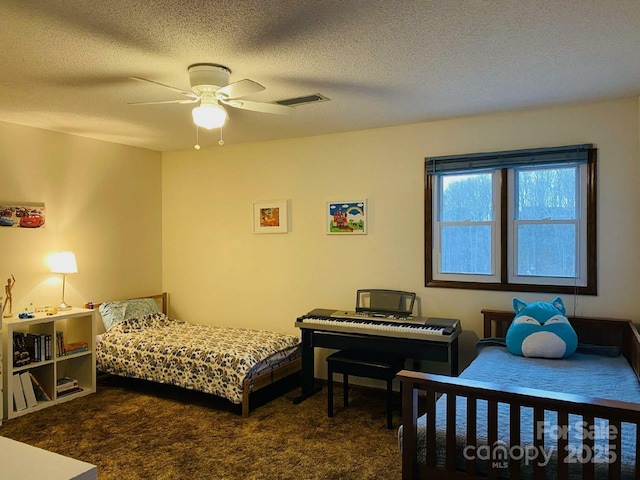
column 138, row 430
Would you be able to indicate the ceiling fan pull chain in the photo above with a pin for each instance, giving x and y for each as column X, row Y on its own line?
column 197, row 145
column 221, row 141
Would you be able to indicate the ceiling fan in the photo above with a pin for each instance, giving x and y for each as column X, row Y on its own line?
column 210, row 88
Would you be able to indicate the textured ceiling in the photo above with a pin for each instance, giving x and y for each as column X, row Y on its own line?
column 64, row 65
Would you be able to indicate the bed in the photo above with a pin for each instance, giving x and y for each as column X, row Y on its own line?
column 142, row 341
column 581, row 420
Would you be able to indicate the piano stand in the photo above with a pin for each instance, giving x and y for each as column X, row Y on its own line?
column 414, row 349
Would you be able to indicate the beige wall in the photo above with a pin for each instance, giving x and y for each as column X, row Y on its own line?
column 218, row 271
column 102, row 202
column 140, row 222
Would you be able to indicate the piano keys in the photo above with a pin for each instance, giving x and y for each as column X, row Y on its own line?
column 367, row 323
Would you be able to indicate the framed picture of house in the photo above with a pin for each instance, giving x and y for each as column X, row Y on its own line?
column 270, row 217
column 347, row 217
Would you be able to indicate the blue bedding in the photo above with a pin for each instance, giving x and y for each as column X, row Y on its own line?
column 595, row 375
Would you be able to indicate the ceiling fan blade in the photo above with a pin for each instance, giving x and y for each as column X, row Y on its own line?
column 259, row 106
column 175, row 89
column 193, row 100
column 239, row 89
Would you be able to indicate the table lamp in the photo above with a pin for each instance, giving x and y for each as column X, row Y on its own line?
column 64, row 263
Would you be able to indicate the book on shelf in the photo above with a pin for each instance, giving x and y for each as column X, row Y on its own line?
column 41, row 393
column 64, row 388
column 70, row 391
column 21, row 354
column 35, row 344
column 60, row 343
column 27, row 388
column 43, row 349
column 19, row 402
column 76, row 347
column 30, row 348
column 66, row 384
column 47, row 347
column 65, row 381
column 30, row 341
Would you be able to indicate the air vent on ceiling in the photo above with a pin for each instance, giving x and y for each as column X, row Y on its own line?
column 292, row 102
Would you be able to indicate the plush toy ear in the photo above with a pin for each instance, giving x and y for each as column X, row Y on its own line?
column 518, row 304
column 559, row 304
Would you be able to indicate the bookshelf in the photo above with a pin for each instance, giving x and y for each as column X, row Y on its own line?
column 76, row 326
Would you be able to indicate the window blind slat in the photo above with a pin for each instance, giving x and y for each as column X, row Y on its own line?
column 507, row 159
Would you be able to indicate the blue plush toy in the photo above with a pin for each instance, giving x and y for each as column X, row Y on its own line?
column 541, row 329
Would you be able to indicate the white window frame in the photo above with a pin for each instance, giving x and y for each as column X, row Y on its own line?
column 580, row 279
column 496, row 230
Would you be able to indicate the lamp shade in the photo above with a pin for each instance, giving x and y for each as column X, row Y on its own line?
column 64, row 262
column 209, row 116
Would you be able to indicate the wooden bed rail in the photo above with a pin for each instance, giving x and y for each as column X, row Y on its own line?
column 430, row 386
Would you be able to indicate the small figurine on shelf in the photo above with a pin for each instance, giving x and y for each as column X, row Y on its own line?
column 9, row 299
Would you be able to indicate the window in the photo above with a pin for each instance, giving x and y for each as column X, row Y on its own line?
column 519, row 220
column 466, row 227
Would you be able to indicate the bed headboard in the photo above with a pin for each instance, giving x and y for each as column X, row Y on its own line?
column 160, row 299
column 617, row 332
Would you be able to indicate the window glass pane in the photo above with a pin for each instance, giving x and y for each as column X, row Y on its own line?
column 466, row 198
column 546, row 193
column 546, row 250
column 466, row 249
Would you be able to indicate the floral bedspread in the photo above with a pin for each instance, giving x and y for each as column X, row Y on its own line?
column 206, row 358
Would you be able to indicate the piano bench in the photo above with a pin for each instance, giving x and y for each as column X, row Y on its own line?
column 378, row 366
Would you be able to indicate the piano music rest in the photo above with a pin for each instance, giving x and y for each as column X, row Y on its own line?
column 362, row 364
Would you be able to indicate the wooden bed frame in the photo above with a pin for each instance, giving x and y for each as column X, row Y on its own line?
column 250, row 385
column 420, row 391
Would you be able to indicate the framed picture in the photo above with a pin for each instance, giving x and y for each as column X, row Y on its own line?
column 347, row 218
column 22, row 214
column 270, row 217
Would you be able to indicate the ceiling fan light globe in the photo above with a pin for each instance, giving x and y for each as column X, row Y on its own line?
column 209, row 116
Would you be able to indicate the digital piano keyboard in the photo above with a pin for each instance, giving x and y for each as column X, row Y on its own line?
column 416, row 338
column 380, row 324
